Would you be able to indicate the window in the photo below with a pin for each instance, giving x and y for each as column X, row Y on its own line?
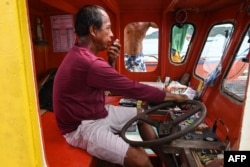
column 141, row 46
column 235, row 81
column 180, row 40
column 213, row 50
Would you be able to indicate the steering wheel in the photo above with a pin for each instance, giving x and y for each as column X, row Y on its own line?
column 167, row 129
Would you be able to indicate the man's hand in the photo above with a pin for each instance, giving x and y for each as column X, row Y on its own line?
column 114, row 52
column 176, row 97
column 107, row 93
column 182, row 98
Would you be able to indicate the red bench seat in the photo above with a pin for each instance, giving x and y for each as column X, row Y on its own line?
column 58, row 153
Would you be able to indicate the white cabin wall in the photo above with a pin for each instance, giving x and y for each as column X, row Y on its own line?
column 245, row 135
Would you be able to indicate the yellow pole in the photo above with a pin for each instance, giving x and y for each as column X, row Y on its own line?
column 20, row 138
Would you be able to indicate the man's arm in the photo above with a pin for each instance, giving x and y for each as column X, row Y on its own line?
column 153, row 24
column 113, row 53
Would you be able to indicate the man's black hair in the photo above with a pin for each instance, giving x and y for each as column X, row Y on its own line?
column 88, row 15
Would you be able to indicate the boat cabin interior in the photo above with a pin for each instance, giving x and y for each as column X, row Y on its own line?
column 190, row 46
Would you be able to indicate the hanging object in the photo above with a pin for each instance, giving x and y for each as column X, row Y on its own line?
column 181, row 17
column 39, row 33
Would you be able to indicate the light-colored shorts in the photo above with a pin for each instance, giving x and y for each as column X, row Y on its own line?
column 98, row 137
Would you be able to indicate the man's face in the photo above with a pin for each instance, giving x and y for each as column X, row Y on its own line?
column 103, row 36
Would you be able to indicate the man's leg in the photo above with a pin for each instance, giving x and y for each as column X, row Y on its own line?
column 137, row 157
column 148, row 133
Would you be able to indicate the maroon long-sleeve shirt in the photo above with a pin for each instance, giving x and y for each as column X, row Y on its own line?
column 80, row 81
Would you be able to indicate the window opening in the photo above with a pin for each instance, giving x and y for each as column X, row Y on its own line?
column 208, row 66
column 180, row 41
column 141, row 46
column 235, row 82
